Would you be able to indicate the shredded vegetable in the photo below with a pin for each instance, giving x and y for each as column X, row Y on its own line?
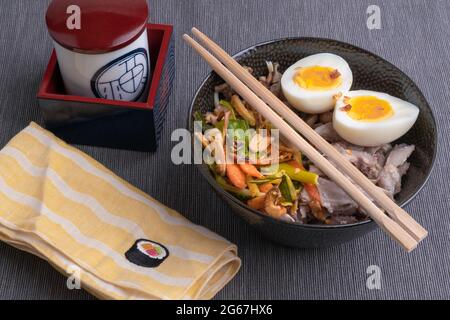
column 271, row 176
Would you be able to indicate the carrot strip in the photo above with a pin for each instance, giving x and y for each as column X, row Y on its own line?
column 315, row 204
column 265, row 187
column 313, row 192
column 257, row 203
column 236, row 176
column 250, row 170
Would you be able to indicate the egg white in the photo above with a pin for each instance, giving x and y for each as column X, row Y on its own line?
column 374, row 133
column 314, row 101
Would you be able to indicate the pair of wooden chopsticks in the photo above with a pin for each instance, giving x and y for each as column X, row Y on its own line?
column 397, row 223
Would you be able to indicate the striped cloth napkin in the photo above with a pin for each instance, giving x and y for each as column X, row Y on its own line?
column 59, row 204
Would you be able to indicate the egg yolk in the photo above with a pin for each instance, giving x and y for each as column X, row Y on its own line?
column 318, row 78
column 369, row 108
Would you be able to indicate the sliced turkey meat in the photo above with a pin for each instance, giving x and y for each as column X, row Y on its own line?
column 327, row 132
column 366, row 162
column 390, row 177
column 399, row 154
column 334, row 199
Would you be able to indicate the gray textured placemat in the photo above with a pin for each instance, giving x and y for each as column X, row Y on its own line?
column 414, row 36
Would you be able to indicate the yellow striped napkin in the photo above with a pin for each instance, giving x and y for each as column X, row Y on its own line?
column 59, row 204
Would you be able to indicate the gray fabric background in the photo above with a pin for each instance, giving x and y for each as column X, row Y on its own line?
column 414, row 36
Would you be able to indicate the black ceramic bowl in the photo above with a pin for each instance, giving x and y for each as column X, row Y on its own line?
column 369, row 72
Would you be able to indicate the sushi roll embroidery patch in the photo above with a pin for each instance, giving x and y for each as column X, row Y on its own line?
column 146, row 253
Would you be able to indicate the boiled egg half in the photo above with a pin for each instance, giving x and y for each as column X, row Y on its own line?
column 312, row 83
column 370, row 118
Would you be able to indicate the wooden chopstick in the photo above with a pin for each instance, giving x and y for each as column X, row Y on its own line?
column 386, row 223
column 393, row 210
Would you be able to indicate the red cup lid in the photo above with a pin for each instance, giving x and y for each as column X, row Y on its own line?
column 105, row 25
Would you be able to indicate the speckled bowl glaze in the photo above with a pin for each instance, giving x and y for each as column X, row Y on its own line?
column 369, row 72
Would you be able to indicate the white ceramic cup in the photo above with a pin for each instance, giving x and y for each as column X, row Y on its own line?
column 122, row 74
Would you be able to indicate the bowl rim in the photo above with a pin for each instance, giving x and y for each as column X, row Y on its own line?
column 221, row 191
